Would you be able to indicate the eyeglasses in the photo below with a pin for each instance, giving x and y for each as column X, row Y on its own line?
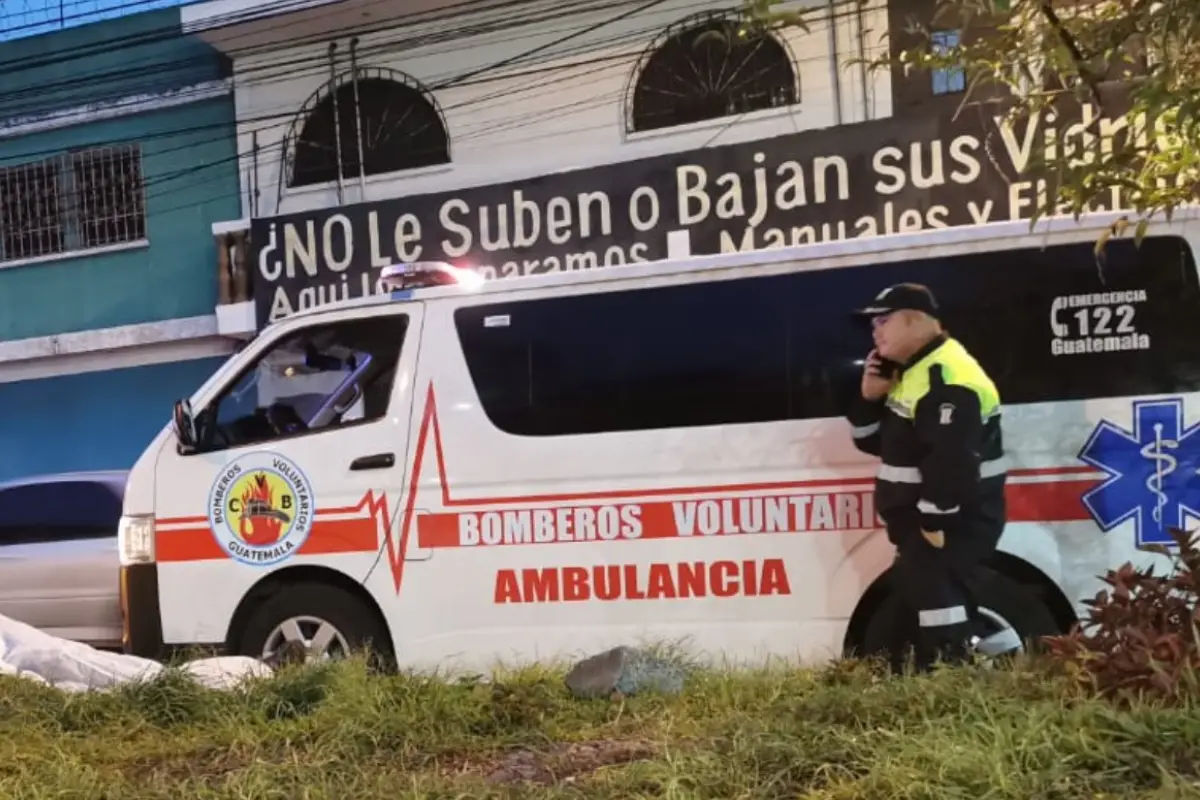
column 880, row 320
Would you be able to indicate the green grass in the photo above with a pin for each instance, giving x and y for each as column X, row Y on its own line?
column 845, row 732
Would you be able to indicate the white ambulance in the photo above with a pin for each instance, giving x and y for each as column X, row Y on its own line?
column 549, row 466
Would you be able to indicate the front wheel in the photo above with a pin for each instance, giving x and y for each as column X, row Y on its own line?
column 312, row 622
column 1013, row 618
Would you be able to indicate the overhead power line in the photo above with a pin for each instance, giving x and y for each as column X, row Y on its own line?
column 140, row 67
column 148, row 70
column 436, row 83
column 489, row 73
column 158, row 187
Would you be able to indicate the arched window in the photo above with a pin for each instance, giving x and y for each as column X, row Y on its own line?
column 383, row 114
column 709, row 67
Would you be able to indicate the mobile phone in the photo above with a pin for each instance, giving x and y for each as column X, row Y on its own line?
column 888, row 368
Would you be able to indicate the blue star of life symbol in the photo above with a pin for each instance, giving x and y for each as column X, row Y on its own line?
column 1153, row 472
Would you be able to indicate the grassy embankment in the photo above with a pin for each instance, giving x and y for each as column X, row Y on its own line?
column 839, row 733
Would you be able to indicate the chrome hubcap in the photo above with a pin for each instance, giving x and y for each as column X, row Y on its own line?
column 1000, row 638
column 319, row 639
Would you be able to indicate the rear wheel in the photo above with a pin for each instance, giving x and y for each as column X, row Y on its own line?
column 1013, row 619
column 313, row 622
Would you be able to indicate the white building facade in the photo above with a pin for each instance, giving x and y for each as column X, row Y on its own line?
column 518, row 137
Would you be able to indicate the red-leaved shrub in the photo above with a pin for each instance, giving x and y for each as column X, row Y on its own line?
column 1140, row 638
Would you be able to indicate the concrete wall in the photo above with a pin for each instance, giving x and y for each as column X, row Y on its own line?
column 556, row 108
column 98, row 420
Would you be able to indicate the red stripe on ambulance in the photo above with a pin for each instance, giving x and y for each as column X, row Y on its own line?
column 826, row 504
column 727, row 516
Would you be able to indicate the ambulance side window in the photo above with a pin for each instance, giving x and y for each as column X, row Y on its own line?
column 313, row 380
column 630, row 360
column 1129, row 325
column 1053, row 324
column 1048, row 324
column 724, row 352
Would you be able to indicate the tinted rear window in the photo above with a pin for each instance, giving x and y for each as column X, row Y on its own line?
column 63, row 504
column 1048, row 324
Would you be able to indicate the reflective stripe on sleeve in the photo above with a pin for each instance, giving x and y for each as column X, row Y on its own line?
column 863, row 431
column 926, row 507
column 994, row 468
column 898, row 474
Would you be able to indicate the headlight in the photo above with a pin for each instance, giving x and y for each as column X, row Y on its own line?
column 135, row 539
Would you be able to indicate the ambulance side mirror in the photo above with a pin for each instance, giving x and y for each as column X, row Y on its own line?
column 185, row 426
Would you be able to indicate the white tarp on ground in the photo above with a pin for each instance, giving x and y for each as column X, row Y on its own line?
column 30, row 653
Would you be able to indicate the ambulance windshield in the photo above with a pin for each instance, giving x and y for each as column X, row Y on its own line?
column 311, row 380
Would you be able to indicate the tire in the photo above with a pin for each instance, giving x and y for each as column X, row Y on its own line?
column 355, row 625
column 1016, row 603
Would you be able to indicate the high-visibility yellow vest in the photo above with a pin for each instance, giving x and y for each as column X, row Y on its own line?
column 958, row 368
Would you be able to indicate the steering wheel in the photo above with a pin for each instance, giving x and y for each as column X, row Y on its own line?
column 284, row 420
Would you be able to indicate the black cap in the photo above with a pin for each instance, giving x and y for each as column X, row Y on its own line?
column 910, row 296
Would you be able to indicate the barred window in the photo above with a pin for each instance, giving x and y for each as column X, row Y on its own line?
column 950, row 80
column 708, row 67
column 370, row 122
column 75, row 201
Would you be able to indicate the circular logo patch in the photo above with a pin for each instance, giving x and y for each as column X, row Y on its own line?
column 261, row 508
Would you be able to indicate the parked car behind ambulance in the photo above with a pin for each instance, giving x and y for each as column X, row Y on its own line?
column 58, row 554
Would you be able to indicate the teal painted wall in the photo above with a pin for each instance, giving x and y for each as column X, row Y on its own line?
column 189, row 166
column 190, row 170
column 36, row 17
column 94, row 420
column 138, row 54
column 104, row 419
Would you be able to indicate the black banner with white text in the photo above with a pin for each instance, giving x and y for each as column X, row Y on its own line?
column 867, row 179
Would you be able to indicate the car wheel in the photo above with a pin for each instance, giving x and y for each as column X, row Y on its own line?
column 1013, row 619
column 313, row 622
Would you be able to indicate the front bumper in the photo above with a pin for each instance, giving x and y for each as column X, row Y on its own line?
column 140, row 614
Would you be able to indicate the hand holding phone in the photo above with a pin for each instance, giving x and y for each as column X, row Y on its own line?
column 878, row 376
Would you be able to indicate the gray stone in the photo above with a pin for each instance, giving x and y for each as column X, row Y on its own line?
column 624, row 670
column 596, row 676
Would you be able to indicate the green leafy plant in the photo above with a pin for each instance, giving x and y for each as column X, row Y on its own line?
column 1137, row 61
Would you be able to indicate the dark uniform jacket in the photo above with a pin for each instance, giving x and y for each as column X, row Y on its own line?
column 937, row 434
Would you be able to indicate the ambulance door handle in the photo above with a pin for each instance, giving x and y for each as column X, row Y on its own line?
column 377, row 461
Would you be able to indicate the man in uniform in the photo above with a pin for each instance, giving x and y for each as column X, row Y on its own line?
column 932, row 415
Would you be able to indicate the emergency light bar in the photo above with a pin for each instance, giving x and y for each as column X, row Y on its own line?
column 425, row 274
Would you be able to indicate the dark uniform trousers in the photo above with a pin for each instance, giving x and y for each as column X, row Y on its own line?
column 939, row 491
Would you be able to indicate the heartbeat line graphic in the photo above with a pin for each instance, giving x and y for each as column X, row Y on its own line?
column 370, row 526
